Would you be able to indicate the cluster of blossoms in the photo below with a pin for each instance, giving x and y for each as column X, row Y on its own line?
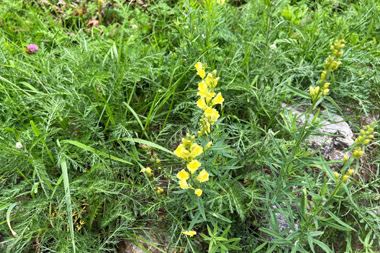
column 332, row 64
column 346, row 176
column 188, row 151
column 208, row 99
column 365, row 137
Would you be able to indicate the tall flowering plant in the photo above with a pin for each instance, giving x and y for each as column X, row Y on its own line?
column 189, row 149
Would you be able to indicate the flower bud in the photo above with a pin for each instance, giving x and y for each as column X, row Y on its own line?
column 350, row 172
column 336, row 175
column 312, row 91
column 345, row 158
column 345, row 178
column 323, row 75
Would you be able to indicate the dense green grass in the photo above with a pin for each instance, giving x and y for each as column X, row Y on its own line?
column 82, row 104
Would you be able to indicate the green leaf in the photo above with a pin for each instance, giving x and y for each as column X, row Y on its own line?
column 66, row 185
column 153, row 145
column 298, row 92
column 340, row 221
column 95, row 151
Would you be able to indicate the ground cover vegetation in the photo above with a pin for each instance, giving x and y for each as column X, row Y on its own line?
column 166, row 124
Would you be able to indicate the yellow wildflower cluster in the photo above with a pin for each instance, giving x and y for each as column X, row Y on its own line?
column 332, row 64
column 365, row 137
column 346, row 176
column 208, row 98
column 159, row 190
column 188, row 151
column 147, row 170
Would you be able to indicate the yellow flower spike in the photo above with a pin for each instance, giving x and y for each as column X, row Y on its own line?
column 183, row 184
column 193, row 166
column 203, row 176
column 183, row 175
column 195, row 150
column 201, row 103
column 200, row 69
column 336, row 175
column 218, row 99
column 350, row 172
column 189, row 233
column 208, row 145
column 345, row 178
column 182, row 152
column 198, row 192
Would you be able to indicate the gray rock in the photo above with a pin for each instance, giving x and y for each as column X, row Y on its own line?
column 335, row 134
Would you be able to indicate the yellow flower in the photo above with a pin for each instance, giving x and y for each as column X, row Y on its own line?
column 221, row 1
column 218, row 99
column 212, row 115
column 182, row 152
column 147, row 170
column 345, row 158
column 198, row 192
column 211, row 81
column 325, row 91
column 203, row 176
column 195, row 150
column 312, row 91
column 193, row 166
column 189, row 233
column 350, row 172
column 336, row 175
column 323, row 75
column 345, row 178
column 183, row 175
column 358, row 153
column 203, row 91
column 200, row 69
column 201, row 103
column 183, row 184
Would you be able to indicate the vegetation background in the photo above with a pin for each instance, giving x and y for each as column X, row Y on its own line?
column 112, row 75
